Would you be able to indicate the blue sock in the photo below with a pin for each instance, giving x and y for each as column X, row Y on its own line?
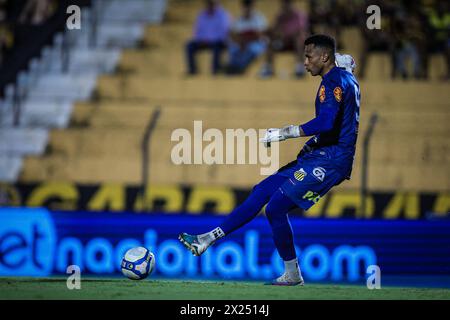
column 250, row 208
column 277, row 213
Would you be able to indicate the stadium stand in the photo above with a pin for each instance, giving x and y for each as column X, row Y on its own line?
column 409, row 150
column 66, row 72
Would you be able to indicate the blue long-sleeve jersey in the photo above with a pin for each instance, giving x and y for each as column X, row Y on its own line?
column 335, row 127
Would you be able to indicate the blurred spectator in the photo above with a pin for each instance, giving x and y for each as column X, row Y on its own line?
column 439, row 33
column 409, row 39
column 3, row 12
column 377, row 40
column 287, row 34
column 210, row 33
column 347, row 11
column 246, row 38
column 37, row 12
column 324, row 18
column 6, row 41
column 6, row 34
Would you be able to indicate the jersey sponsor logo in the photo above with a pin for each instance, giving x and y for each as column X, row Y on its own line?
column 312, row 196
column 322, row 93
column 300, row 174
column 337, row 94
column 319, row 173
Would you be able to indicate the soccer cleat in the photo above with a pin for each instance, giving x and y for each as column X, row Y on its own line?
column 193, row 243
column 287, row 280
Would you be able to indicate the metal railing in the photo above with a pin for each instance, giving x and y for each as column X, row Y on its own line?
column 365, row 163
column 146, row 149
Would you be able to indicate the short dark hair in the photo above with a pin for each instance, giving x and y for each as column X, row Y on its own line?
column 323, row 41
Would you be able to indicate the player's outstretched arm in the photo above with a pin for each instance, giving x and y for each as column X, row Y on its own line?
column 281, row 134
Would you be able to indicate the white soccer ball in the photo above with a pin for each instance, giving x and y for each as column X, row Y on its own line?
column 138, row 263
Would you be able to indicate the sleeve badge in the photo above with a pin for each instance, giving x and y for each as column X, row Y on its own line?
column 322, row 93
column 337, row 94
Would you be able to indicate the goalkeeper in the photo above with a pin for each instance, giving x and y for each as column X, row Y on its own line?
column 325, row 160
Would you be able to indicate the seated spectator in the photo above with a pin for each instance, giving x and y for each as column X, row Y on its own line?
column 37, row 12
column 246, row 38
column 287, row 34
column 409, row 40
column 3, row 11
column 6, row 41
column 439, row 33
column 210, row 33
column 324, row 18
column 347, row 11
column 377, row 40
column 6, row 34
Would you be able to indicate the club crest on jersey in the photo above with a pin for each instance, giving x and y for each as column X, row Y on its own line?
column 300, row 174
column 337, row 94
column 319, row 173
column 322, row 93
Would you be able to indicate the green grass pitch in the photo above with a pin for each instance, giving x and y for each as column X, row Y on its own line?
column 154, row 289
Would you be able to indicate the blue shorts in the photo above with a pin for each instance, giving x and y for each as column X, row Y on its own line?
column 308, row 179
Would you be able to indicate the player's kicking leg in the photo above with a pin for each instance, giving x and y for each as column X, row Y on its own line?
column 241, row 215
column 276, row 212
column 198, row 244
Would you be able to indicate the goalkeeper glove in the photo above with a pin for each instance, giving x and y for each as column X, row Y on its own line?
column 275, row 134
column 291, row 131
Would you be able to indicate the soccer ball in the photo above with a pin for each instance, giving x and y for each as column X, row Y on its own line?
column 138, row 263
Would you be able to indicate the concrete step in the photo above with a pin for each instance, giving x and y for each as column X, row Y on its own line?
column 97, row 170
column 22, row 141
column 10, row 167
column 407, row 96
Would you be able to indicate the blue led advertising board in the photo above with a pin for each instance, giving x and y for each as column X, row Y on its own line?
column 37, row 242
